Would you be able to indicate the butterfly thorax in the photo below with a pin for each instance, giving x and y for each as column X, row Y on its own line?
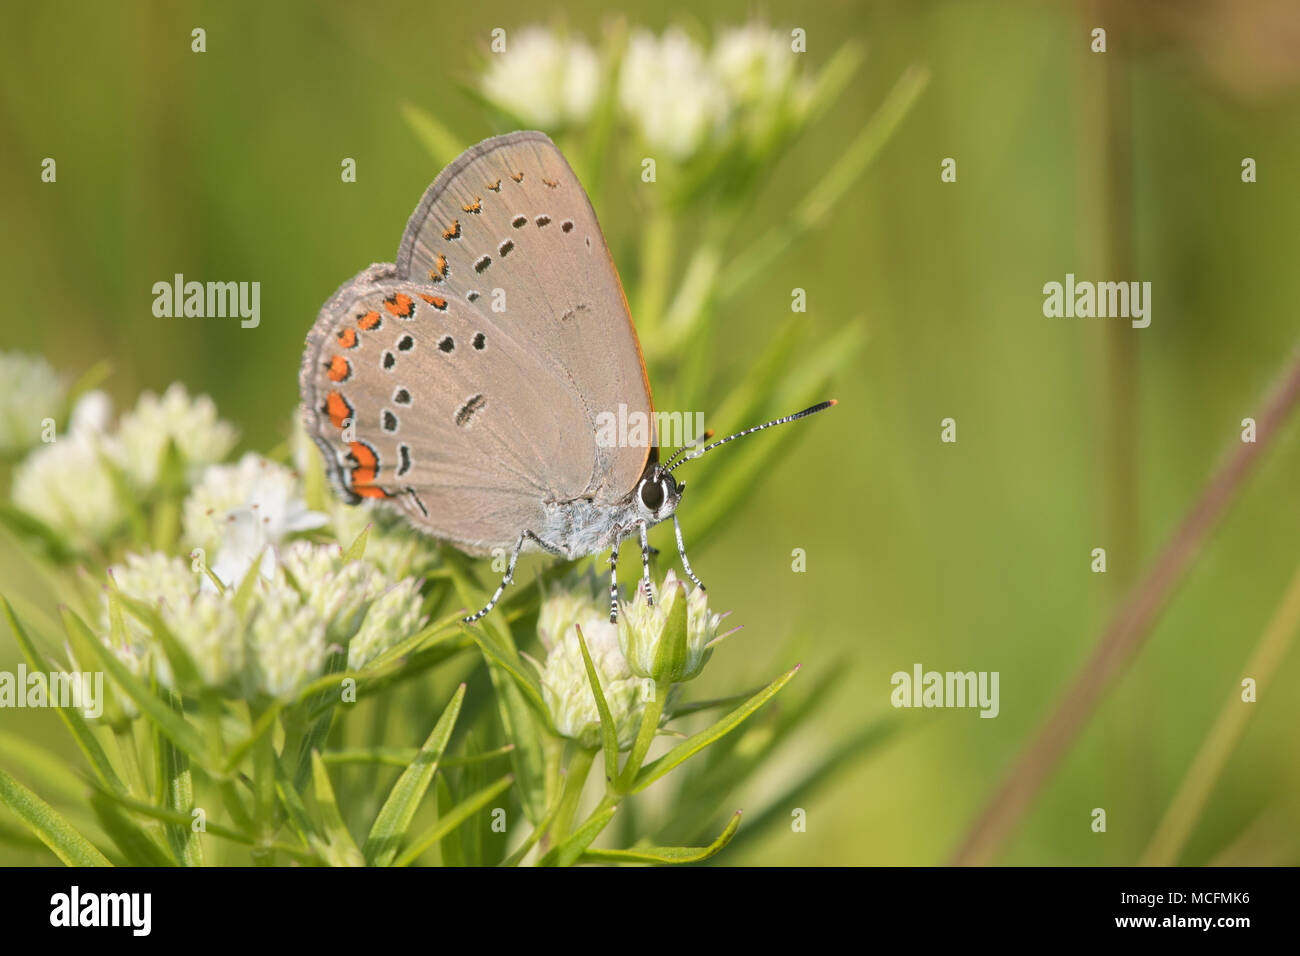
column 583, row 526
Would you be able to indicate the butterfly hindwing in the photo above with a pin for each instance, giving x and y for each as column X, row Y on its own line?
column 431, row 404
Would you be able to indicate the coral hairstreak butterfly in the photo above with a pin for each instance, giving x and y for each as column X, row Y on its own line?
column 480, row 423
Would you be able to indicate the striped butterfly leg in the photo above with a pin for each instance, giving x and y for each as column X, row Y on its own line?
column 510, row 573
column 613, row 578
column 645, row 563
column 681, row 549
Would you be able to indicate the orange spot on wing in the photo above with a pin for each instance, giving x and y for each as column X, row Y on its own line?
column 439, row 270
column 368, row 321
column 367, row 464
column 339, row 409
column 438, row 302
column 476, row 206
column 348, row 338
column 370, row 491
column 400, row 305
column 339, row 369
column 495, row 186
column 364, row 455
column 518, row 177
column 452, row 231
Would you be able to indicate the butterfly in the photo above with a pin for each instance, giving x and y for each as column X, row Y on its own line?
column 463, row 384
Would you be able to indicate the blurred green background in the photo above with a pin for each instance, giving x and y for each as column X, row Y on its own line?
column 1072, row 433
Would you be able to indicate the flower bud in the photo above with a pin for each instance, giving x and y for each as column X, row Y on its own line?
column 668, row 641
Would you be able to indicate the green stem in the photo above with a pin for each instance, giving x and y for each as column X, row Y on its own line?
column 124, row 735
column 263, row 797
column 235, row 806
column 644, row 738
column 575, row 778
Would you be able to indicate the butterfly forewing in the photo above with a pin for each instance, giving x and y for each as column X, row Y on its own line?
column 509, row 229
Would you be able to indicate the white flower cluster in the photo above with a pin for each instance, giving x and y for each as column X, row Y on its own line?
column 543, row 78
column 624, row 654
column 310, row 601
column 70, row 484
column 236, row 513
column 191, row 424
column 566, row 689
column 678, row 95
column 30, row 393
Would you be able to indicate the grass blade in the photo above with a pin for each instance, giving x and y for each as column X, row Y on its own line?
column 72, row 719
column 447, row 822
column 398, row 810
column 341, row 849
column 608, row 735
column 151, row 706
column 48, row 826
column 692, row 745
column 572, row 849
column 666, row 854
column 178, row 794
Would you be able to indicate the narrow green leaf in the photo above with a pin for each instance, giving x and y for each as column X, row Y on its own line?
column 357, row 549
column 520, row 724
column 299, row 820
column 698, row 706
column 244, row 592
column 140, row 846
column 398, row 810
column 167, row 720
column 342, row 849
column 182, row 664
column 71, row 717
column 694, row 744
column 263, row 724
column 178, row 795
column 571, row 850
column 608, row 735
column 449, row 846
column 25, row 527
column 177, row 818
column 89, row 380
column 43, row 765
column 400, row 756
column 434, row 633
column 531, row 690
column 211, row 575
column 48, row 826
column 451, row 819
column 832, row 79
column 441, row 143
column 666, row 854
column 471, row 780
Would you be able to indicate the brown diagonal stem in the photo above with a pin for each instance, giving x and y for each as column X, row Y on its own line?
column 1124, row 636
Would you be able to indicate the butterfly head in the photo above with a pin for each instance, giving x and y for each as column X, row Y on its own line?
column 657, row 494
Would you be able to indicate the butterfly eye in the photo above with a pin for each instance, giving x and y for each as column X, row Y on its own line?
column 652, row 494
